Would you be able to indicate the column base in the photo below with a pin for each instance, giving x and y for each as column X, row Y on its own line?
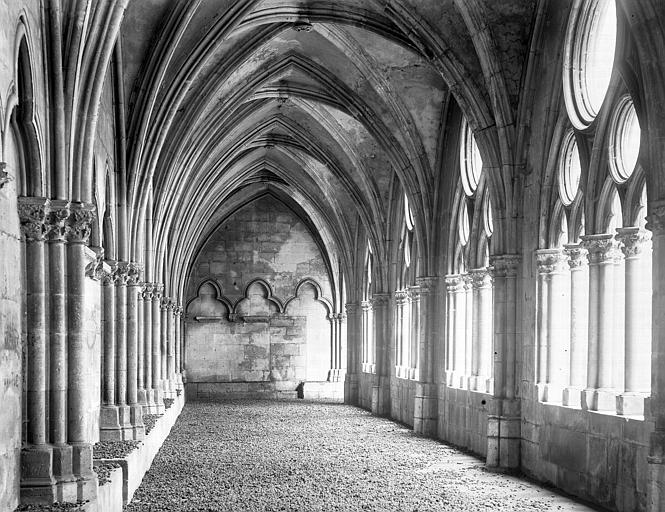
column 351, row 389
column 168, row 388
column 504, row 435
column 572, row 397
column 110, row 428
column 86, row 478
column 136, row 417
column 631, row 404
column 155, row 401
column 63, row 471
column 142, row 397
column 335, row 375
column 541, row 391
column 603, row 399
column 179, row 385
column 37, row 482
column 553, row 393
column 425, row 410
column 381, row 396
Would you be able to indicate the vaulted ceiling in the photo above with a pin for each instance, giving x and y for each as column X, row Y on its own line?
column 336, row 104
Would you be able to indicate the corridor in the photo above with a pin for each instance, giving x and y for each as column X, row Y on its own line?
column 303, row 456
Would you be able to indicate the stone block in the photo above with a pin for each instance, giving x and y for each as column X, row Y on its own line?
column 597, row 456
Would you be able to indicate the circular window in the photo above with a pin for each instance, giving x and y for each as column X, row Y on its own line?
column 570, row 170
column 589, row 58
column 624, row 140
column 471, row 163
column 488, row 216
column 464, row 227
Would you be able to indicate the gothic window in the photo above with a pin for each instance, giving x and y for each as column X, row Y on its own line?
column 589, row 57
column 471, row 163
column 367, row 319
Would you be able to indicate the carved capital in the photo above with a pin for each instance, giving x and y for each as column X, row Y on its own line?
column 602, row 248
column 577, row 255
column 480, row 278
column 427, row 284
column 157, row 291
column 550, row 261
column 366, row 305
column 505, row 265
column 380, row 300
column 351, row 308
column 4, row 175
column 165, row 303
column 95, row 269
column 32, row 212
column 134, row 273
column 454, row 283
column 79, row 223
column 632, row 240
column 56, row 219
column 401, row 297
column 146, row 291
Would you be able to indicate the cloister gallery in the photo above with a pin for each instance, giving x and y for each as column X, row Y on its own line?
column 450, row 213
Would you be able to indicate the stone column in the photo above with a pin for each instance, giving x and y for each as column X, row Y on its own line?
column 558, row 335
column 178, row 346
column 425, row 414
column 37, row 482
column 603, row 253
column 416, row 343
column 457, row 327
column 656, row 458
column 62, row 451
column 151, row 402
column 167, row 348
column 158, row 391
column 353, row 353
column 635, row 247
column 401, row 297
column 452, row 283
column 504, row 410
column 367, row 337
column 109, row 420
column 140, row 347
column 137, row 430
column 80, row 368
column 578, row 313
column 121, row 274
column 544, row 268
column 382, row 346
column 468, row 333
column 482, row 330
column 338, row 333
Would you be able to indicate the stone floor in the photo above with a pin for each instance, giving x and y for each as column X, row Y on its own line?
column 302, row 456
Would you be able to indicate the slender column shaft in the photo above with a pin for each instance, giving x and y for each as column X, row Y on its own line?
column 109, row 340
column 164, row 341
column 456, row 325
column 450, row 329
column 80, row 370
column 32, row 212
column 418, row 357
column 482, row 325
column 468, row 326
column 543, row 261
column 170, row 316
column 121, row 332
column 637, row 251
column 559, row 336
column 352, row 328
column 147, row 335
column 58, row 321
column 132, row 335
column 579, row 310
column 156, row 338
column 606, row 327
column 140, row 343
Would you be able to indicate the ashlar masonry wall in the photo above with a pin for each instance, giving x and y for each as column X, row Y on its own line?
column 258, row 312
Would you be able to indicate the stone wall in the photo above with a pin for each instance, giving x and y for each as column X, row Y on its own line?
column 402, row 393
column 258, row 309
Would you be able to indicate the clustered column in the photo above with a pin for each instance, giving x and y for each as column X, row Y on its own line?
column 482, row 331
column 338, row 345
column 635, row 245
column 578, row 314
column 382, row 347
column 354, row 354
column 456, row 330
column 603, row 255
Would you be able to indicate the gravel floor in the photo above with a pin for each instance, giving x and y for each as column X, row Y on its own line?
column 300, row 456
